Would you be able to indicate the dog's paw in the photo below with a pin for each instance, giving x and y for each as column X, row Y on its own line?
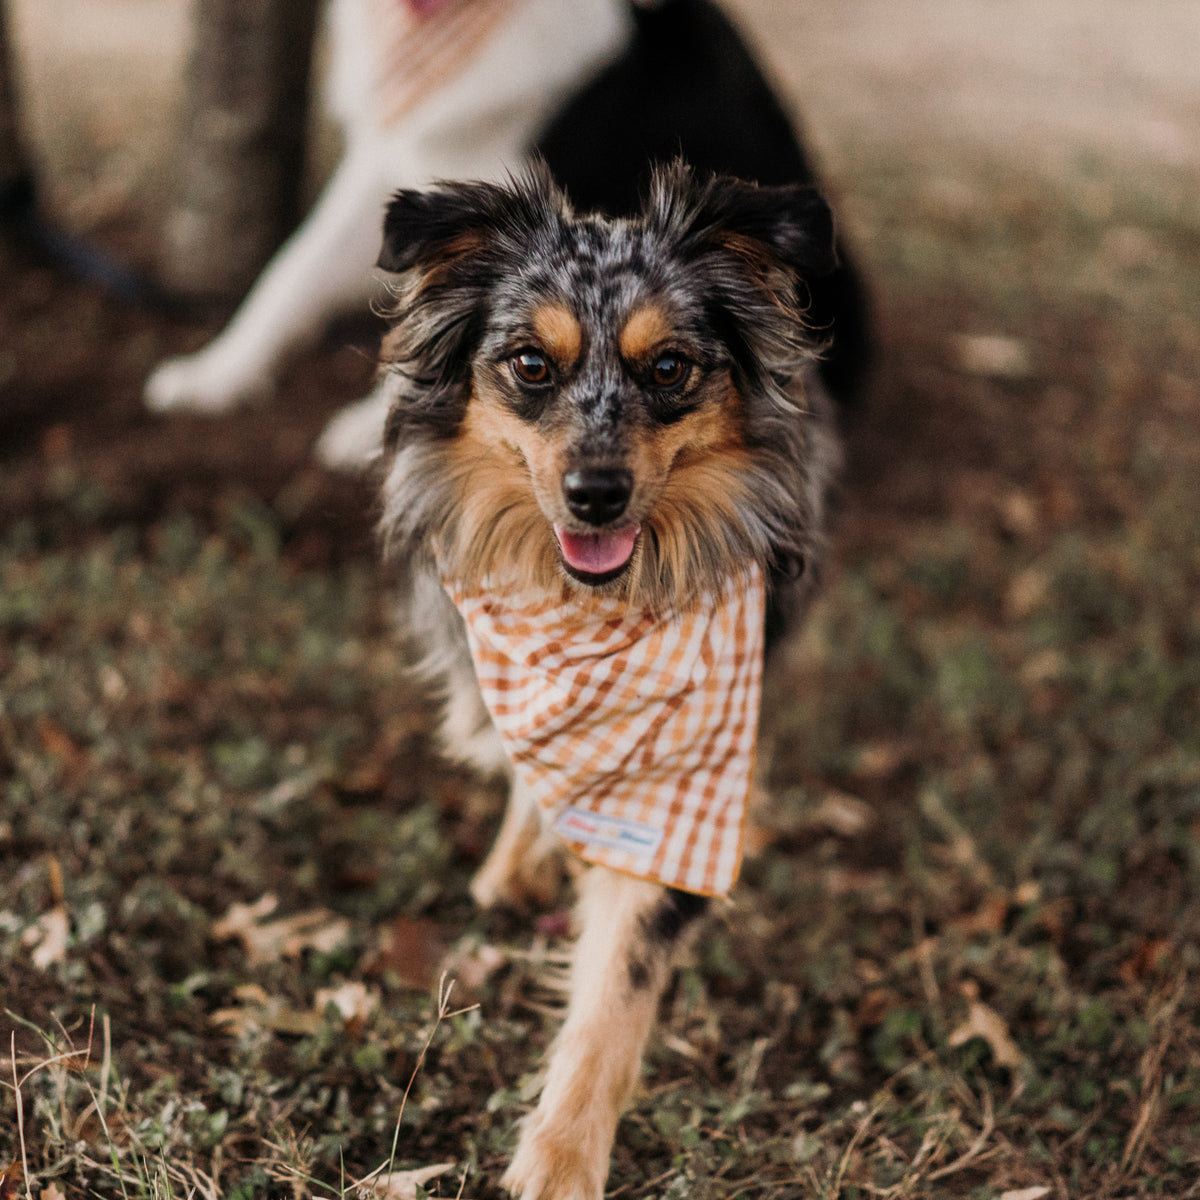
column 555, row 1165
column 530, row 881
column 203, row 383
column 353, row 439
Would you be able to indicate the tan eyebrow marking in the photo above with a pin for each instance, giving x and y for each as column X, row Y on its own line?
column 559, row 332
column 645, row 332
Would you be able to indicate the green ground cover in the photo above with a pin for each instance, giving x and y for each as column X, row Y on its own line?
column 964, row 962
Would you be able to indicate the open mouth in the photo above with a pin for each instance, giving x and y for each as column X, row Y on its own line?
column 596, row 558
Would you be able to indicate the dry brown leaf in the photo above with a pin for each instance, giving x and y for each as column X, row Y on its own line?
column 473, row 967
column 288, row 937
column 985, row 1022
column 402, row 1185
column 1027, row 592
column 47, row 937
column 1019, row 514
column 52, row 1193
column 318, row 929
column 413, row 951
column 11, row 1178
column 240, row 917
column 989, row 917
column 354, row 1002
column 881, row 760
column 1150, row 955
column 843, row 814
column 61, row 745
column 993, row 356
column 252, row 993
column 258, row 1010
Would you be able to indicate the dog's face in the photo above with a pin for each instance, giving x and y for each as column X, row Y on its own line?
column 604, row 400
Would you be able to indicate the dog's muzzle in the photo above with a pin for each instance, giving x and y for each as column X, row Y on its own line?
column 597, row 496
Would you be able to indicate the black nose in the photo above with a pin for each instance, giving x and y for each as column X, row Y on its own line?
column 597, row 496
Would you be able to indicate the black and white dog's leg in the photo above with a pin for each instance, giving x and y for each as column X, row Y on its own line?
column 353, row 438
column 322, row 270
column 630, row 932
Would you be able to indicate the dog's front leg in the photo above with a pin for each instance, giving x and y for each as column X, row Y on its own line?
column 523, row 866
column 629, row 933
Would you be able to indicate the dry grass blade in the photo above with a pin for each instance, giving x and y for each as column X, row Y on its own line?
column 20, row 1109
column 70, row 1058
column 1150, row 1079
column 445, row 987
column 976, row 1151
column 835, row 1190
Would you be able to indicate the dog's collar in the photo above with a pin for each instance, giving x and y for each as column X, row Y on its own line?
column 634, row 731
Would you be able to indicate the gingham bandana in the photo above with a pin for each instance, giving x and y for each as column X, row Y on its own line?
column 635, row 732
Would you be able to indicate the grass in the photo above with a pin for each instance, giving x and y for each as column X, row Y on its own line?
column 963, row 963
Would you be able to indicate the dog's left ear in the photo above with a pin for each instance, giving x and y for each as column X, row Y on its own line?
column 791, row 223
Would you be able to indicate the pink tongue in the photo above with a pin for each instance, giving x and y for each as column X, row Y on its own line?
column 596, row 553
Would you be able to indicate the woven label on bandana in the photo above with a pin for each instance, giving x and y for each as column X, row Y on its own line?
column 635, row 732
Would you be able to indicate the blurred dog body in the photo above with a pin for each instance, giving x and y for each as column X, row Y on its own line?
column 600, row 89
column 426, row 91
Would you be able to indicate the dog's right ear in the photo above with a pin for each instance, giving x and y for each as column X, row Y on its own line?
column 452, row 243
column 423, row 225
column 461, row 220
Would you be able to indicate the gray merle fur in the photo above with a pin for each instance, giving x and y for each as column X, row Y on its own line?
column 735, row 259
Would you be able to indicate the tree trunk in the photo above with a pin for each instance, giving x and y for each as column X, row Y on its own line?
column 14, row 166
column 241, row 158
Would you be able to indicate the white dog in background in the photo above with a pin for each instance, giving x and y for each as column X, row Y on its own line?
column 425, row 90
column 432, row 90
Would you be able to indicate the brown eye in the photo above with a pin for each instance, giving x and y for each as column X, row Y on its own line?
column 669, row 371
column 531, row 367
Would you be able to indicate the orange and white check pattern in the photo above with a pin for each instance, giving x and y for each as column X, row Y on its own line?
column 634, row 731
column 421, row 46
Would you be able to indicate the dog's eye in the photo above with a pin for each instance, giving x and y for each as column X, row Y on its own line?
column 670, row 371
column 531, row 367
